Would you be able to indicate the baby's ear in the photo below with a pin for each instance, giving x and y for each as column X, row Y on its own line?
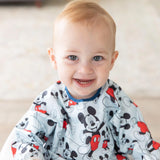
column 52, row 57
column 116, row 53
column 114, row 57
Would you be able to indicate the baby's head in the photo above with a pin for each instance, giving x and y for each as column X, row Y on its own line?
column 84, row 47
column 87, row 13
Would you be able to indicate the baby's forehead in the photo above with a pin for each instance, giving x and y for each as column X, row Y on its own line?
column 72, row 29
column 86, row 23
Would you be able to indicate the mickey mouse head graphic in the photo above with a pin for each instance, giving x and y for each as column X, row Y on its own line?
column 124, row 121
column 69, row 154
column 92, row 125
column 67, row 102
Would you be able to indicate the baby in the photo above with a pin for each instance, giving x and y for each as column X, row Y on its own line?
column 85, row 115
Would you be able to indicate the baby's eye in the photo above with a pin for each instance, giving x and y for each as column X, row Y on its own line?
column 97, row 58
column 72, row 57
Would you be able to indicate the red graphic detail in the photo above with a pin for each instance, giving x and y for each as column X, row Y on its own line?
column 110, row 91
column 156, row 145
column 94, row 142
column 40, row 110
column 135, row 104
column 13, row 150
column 45, row 138
column 70, row 103
column 105, row 144
column 130, row 149
column 36, row 147
column 143, row 127
column 58, row 82
column 65, row 124
column 120, row 157
column 27, row 130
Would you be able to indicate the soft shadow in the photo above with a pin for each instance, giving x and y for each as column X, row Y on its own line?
column 32, row 3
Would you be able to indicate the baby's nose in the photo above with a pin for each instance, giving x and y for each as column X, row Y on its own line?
column 86, row 68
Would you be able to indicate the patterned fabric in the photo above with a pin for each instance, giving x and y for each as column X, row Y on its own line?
column 108, row 126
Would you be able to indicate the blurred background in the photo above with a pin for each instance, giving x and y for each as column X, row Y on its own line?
column 26, row 30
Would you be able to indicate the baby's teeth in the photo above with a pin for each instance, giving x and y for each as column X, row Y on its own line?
column 84, row 82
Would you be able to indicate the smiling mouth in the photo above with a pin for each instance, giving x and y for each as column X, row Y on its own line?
column 84, row 82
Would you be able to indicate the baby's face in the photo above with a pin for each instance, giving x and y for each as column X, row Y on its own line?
column 83, row 57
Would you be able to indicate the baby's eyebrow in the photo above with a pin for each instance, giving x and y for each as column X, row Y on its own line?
column 101, row 51
column 71, row 51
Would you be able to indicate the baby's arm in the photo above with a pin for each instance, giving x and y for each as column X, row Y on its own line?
column 33, row 133
column 144, row 147
column 133, row 134
column 130, row 131
column 31, row 141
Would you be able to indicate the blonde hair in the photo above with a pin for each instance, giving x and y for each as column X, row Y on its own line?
column 87, row 11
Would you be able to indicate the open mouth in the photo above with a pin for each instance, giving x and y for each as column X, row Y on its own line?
column 84, row 82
